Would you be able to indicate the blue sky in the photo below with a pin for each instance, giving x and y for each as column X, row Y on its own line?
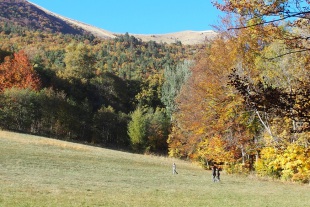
column 138, row 16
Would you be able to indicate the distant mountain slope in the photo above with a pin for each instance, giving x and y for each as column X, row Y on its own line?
column 186, row 37
column 25, row 13
column 86, row 27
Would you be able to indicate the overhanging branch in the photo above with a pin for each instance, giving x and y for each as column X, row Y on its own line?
column 288, row 53
column 275, row 20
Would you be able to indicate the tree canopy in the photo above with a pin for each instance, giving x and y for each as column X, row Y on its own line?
column 250, row 89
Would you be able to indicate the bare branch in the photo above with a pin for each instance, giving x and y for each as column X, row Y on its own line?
column 275, row 20
column 288, row 53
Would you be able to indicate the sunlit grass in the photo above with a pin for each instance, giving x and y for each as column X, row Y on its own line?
column 36, row 171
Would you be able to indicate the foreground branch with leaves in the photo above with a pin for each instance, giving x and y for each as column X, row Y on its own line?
column 251, row 94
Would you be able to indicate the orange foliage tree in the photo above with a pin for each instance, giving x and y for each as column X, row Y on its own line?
column 216, row 121
column 218, row 128
column 256, row 14
column 17, row 72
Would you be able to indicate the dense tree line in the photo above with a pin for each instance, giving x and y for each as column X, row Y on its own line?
column 81, row 88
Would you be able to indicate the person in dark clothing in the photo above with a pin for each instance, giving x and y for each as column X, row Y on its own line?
column 218, row 174
column 214, row 170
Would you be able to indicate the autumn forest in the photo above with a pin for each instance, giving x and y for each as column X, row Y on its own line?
column 240, row 100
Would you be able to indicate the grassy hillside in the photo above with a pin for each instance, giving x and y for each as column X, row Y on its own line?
column 36, row 171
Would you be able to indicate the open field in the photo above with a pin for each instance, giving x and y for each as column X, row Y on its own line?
column 36, row 171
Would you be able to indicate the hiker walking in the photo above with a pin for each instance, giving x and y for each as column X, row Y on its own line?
column 218, row 174
column 174, row 169
column 214, row 172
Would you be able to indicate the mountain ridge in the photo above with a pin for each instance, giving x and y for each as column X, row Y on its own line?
column 98, row 32
column 186, row 37
column 29, row 14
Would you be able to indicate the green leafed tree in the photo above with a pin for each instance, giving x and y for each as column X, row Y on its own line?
column 137, row 129
column 174, row 79
column 79, row 62
column 109, row 128
column 158, row 130
column 150, row 93
column 19, row 109
column 148, row 130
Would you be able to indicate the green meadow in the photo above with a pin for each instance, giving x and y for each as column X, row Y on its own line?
column 37, row 171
